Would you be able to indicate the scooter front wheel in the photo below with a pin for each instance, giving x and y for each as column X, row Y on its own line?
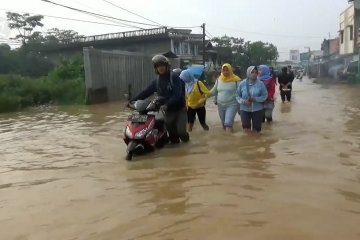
column 129, row 156
column 162, row 141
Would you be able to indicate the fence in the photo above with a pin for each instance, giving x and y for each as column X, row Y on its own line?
column 110, row 75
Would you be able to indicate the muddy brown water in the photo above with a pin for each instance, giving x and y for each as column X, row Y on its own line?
column 63, row 175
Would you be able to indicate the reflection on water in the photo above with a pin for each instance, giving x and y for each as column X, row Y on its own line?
column 63, row 175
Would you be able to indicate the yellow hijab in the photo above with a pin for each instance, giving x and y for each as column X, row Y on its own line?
column 232, row 77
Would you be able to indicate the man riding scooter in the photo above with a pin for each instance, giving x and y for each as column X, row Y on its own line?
column 168, row 86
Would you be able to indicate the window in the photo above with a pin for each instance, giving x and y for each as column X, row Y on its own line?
column 176, row 48
column 342, row 37
column 351, row 30
column 185, row 48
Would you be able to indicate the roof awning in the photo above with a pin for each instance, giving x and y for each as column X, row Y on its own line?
column 170, row 54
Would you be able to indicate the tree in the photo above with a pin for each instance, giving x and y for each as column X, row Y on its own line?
column 56, row 35
column 226, row 41
column 25, row 25
column 6, row 62
column 245, row 53
column 226, row 47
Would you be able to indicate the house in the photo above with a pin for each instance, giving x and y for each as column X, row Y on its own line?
column 349, row 29
column 186, row 45
column 182, row 42
column 330, row 47
column 295, row 56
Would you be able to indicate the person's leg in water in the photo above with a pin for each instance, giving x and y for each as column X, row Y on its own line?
column 246, row 121
column 263, row 117
column 170, row 122
column 191, row 115
column 201, row 113
column 269, row 108
column 288, row 96
column 222, row 111
column 181, row 122
column 282, row 94
column 256, row 118
column 230, row 114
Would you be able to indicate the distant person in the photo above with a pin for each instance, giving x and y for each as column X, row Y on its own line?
column 291, row 72
column 196, row 95
column 270, row 84
column 285, row 81
column 251, row 96
column 273, row 74
column 224, row 92
column 170, row 87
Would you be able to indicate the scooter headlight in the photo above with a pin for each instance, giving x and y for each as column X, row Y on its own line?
column 128, row 132
column 141, row 134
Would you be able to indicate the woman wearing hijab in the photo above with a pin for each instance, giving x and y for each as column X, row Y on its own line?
column 224, row 92
column 196, row 95
column 251, row 95
column 270, row 84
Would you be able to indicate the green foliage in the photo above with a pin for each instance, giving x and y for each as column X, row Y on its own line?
column 25, row 25
column 64, row 85
column 353, row 79
column 243, row 53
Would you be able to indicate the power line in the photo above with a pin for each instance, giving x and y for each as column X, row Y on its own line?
column 9, row 39
column 89, row 7
column 269, row 34
column 126, row 10
column 116, row 23
column 209, row 34
column 184, row 27
column 99, row 15
column 86, row 21
column 103, row 17
column 71, row 19
column 209, row 37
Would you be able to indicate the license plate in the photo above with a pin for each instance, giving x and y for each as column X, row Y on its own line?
column 138, row 118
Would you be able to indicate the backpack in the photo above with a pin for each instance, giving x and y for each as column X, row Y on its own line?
column 201, row 91
column 158, row 83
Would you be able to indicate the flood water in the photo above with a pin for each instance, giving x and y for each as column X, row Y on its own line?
column 63, row 175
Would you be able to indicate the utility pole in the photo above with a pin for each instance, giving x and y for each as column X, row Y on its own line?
column 204, row 34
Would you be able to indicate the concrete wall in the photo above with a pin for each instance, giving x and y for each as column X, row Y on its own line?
column 147, row 47
column 109, row 74
column 334, row 46
column 347, row 19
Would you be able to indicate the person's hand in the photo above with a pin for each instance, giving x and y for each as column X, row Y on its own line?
column 201, row 102
column 251, row 99
column 248, row 102
column 163, row 108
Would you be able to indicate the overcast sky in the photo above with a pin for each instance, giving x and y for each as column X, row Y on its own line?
column 289, row 24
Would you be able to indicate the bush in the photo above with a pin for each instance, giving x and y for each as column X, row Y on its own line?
column 64, row 85
column 9, row 103
column 353, row 79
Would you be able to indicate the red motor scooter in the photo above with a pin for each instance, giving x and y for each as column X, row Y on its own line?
column 145, row 129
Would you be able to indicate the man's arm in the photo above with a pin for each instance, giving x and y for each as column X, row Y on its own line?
column 147, row 92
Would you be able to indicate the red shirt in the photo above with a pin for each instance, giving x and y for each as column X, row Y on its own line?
column 270, row 86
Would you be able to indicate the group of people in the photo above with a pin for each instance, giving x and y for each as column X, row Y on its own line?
column 186, row 96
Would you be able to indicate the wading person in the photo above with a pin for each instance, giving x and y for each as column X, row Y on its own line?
column 170, row 87
column 285, row 81
column 196, row 95
column 224, row 92
column 267, row 78
column 251, row 96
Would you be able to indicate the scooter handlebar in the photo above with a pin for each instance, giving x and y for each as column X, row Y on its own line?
column 131, row 105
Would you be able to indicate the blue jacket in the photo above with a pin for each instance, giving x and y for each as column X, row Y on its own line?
column 256, row 90
column 173, row 91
